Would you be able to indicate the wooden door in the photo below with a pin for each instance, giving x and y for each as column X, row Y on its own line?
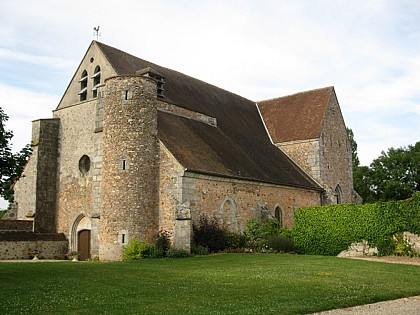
column 84, row 244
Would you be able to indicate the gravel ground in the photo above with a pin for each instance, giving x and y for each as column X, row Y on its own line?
column 406, row 306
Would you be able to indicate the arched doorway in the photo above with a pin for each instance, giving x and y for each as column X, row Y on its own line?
column 80, row 236
column 338, row 194
column 83, row 244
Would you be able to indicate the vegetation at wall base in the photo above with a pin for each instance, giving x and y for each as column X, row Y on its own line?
column 216, row 284
column 209, row 234
column 329, row 230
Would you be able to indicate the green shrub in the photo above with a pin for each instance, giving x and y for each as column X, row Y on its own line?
column 386, row 247
column 162, row 242
column 253, row 230
column 235, row 240
column 329, row 230
column 279, row 243
column 135, row 250
column 177, row 253
column 208, row 234
column 257, row 230
column 153, row 251
column 199, row 250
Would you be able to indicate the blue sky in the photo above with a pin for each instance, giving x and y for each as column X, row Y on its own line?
column 368, row 50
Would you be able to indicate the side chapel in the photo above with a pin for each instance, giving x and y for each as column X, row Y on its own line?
column 134, row 148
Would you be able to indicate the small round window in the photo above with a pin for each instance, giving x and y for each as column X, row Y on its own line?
column 84, row 164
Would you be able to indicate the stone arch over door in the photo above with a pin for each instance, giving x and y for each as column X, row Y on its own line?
column 338, row 194
column 228, row 215
column 82, row 222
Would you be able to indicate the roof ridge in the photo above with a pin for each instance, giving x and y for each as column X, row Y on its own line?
column 331, row 87
column 155, row 65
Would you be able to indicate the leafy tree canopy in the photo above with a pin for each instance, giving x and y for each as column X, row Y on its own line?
column 11, row 164
column 394, row 175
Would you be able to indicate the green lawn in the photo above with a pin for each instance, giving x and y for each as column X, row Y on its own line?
column 219, row 284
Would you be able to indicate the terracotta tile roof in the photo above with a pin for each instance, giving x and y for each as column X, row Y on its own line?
column 238, row 147
column 296, row 117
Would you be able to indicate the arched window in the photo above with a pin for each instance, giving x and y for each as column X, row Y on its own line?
column 83, row 86
column 338, row 194
column 278, row 215
column 96, row 81
column 228, row 215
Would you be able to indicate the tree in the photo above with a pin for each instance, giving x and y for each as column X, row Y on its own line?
column 353, row 144
column 395, row 174
column 11, row 164
column 392, row 176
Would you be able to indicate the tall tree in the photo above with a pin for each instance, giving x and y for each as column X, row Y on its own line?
column 353, row 145
column 11, row 164
column 395, row 174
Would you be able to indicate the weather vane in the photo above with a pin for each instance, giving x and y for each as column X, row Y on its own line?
column 96, row 32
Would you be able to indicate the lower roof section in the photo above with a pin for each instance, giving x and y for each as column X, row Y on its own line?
column 206, row 149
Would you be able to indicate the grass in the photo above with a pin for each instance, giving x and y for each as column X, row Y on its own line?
column 219, row 284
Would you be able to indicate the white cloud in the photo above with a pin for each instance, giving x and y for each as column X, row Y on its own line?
column 22, row 107
column 367, row 49
column 46, row 61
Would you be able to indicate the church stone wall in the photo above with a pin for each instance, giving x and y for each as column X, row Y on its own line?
column 77, row 188
column 234, row 202
column 336, row 155
column 25, row 189
column 306, row 154
column 328, row 158
column 170, row 189
column 129, row 199
column 45, row 143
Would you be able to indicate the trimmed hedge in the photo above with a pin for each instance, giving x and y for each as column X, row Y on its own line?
column 328, row 230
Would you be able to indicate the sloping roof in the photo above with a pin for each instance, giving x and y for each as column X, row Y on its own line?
column 201, row 148
column 296, row 117
column 238, row 147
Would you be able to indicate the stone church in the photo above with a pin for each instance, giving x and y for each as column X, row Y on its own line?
column 134, row 148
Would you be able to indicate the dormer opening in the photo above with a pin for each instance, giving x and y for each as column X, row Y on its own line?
column 96, row 81
column 160, row 79
column 83, row 86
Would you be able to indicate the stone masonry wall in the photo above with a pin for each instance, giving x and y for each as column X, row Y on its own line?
column 19, row 245
column 25, row 188
column 78, row 188
column 306, row 154
column 336, row 164
column 45, row 138
column 170, row 189
column 16, row 225
column 328, row 158
column 234, row 202
column 129, row 203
